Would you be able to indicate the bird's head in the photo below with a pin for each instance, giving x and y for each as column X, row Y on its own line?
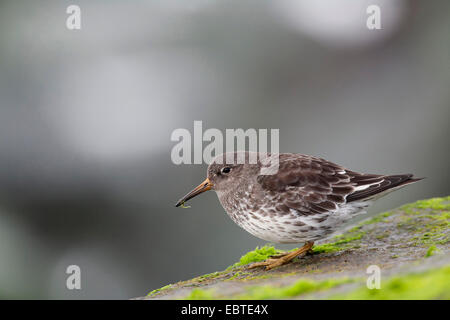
column 226, row 172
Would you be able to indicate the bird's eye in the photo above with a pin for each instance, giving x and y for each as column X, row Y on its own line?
column 225, row 170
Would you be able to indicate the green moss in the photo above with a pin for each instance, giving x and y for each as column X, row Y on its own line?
column 208, row 276
column 377, row 219
column 438, row 204
column 431, row 251
column 192, row 282
column 157, row 291
column 300, row 287
column 252, row 277
column 238, row 275
column 342, row 242
column 428, row 221
column 432, row 284
column 260, row 277
column 200, row 294
column 249, row 276
column 259, row 254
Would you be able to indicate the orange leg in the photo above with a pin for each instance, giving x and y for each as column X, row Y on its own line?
column 282, row 259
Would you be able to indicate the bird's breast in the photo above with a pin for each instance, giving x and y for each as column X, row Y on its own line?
column 266, row 221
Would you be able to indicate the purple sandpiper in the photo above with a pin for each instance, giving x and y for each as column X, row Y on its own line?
column 306, row 200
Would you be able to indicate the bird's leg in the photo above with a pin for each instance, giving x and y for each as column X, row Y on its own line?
column 284, row 258
column 276, row 256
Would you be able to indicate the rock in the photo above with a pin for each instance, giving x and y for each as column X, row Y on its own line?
column 409, row 245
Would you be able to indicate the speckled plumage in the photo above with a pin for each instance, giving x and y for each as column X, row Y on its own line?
column 306, row 200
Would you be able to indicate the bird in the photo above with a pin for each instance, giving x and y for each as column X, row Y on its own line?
column 302, row 199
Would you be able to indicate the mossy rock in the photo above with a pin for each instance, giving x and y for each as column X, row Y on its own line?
column 410, row 245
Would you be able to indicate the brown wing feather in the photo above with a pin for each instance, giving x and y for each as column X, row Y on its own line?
column 309, row 185
column 313, row 185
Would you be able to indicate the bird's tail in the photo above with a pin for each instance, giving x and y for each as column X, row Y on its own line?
column 385, row 186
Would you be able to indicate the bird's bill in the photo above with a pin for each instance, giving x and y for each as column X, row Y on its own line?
column 202, row 187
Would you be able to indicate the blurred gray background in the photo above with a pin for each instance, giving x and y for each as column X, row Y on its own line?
column 86, row 116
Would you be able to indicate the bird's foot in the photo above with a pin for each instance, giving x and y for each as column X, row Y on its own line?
column 270, row 263
column 283, row 258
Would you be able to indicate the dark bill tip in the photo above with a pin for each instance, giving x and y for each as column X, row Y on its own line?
column 202, row 187
column 178, row 203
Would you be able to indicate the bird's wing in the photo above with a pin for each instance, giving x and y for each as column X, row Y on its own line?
column 313, row 185
column 308, row 185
